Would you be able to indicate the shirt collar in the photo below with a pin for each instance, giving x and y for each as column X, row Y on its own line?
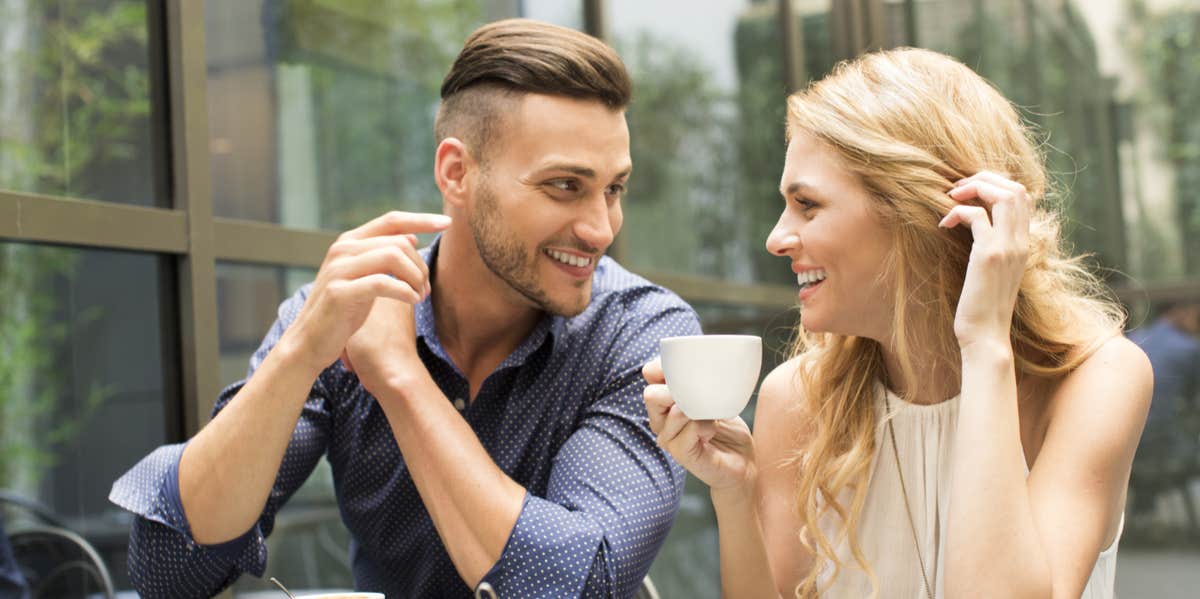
column 549, row 327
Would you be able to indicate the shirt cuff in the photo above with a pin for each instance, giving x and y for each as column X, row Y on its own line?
column 550, row 552
column 151, row 490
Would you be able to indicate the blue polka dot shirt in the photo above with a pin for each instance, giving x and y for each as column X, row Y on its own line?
column 563, row 416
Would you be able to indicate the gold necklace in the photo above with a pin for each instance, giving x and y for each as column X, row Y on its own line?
column 887, row 405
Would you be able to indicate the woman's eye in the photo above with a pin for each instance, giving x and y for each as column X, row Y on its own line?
column 806, row 204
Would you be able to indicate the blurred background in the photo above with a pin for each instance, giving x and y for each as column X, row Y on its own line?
column 171, row 171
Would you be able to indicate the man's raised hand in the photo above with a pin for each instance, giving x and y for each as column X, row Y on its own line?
column 377, row 259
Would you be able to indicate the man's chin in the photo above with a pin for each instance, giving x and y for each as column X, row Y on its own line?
column 568, row 307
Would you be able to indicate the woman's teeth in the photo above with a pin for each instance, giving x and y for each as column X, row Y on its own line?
column 810, row 277
column 569, row 259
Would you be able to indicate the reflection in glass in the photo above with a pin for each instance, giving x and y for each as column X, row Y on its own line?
column 321, row 113
column 1041, row 58
column 75, row 100
column 84, row 382
column 707, row 131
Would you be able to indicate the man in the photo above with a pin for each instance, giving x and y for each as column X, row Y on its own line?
column 484, row 421
column 1168, row 455
column 1172, row 343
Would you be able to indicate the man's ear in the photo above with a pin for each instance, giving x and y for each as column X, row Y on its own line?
column 451, row 166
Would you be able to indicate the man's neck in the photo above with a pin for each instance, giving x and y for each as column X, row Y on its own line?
column 479, row 319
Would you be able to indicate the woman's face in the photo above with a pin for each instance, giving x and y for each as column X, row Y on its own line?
column 836, row 244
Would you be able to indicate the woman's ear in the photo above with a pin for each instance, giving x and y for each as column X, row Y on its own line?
column 452, row 163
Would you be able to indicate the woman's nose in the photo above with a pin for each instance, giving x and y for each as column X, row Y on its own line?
column 782, row 240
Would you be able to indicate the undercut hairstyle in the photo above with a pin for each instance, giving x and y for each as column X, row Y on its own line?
column 502, row 61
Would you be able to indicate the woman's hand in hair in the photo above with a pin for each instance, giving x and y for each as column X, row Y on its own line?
column 997, row 211
column 718, row 452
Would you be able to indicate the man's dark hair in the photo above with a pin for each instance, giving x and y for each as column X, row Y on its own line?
column 503, row 60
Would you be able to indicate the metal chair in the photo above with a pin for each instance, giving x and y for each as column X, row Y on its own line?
column 55, row 561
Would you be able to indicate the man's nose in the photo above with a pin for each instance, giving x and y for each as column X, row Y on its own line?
column 594, row 226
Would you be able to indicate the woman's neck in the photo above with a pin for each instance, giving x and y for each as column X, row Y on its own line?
column 932, row 381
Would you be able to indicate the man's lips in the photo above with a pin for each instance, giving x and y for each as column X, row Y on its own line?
column 576, row 265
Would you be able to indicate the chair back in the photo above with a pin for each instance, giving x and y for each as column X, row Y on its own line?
column 57, row 563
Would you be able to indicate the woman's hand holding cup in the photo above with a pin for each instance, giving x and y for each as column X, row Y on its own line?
column 718, row 452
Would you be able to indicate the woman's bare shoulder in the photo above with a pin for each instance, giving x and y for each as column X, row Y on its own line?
column 1118, row 369
column 1102, row 404
column 779, row 420
column 780, row 390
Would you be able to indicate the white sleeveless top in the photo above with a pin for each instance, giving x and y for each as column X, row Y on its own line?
column 924, row 438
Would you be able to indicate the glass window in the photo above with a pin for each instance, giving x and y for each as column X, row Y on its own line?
column 707, row 134
column 1041, row 57
column 321, row 112
column 86, row 363
column 813, row 27
column 76, row 101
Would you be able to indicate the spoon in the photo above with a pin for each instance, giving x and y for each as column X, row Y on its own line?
column 282, row 588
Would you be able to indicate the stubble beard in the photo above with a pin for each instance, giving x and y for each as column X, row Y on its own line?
column 503, row 254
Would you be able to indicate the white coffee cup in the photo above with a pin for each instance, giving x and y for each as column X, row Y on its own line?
column 711, row 377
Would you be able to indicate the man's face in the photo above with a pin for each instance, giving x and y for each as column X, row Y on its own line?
column 547, row 202
column 1191, row 319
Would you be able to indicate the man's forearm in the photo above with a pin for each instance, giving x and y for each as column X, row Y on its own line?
column 227, row 470
column 473, row 504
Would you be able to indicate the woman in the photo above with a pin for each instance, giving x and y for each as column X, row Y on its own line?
column 961, row 410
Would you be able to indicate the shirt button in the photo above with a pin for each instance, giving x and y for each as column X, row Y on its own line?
column 459, row 404
column 485, row 591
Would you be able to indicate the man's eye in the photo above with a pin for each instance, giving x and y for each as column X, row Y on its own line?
column 568, row 185
column 616, row 189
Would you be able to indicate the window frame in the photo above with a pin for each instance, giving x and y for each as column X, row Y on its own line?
column 189, row 233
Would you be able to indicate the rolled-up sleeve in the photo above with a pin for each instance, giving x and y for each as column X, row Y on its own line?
column 164, row 558
column 613, row 493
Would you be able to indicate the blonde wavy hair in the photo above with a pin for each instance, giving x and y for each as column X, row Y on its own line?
column 908, row 123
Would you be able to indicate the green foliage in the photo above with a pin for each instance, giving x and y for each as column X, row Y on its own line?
column 87, row 102
column 85, row 88
column 762, row 101
column 376, row 72
column 1168, row 46
column 1042, row 58
column 32, row 337
column 685, row 169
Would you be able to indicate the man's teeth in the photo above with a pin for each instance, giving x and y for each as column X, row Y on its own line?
column 810, row 277
column 570, row 259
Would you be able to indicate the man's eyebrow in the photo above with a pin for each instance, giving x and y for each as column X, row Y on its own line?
column 582, row 171
column 574, row 169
